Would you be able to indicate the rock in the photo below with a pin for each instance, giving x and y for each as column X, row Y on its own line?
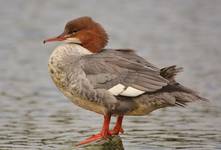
column 112, row 143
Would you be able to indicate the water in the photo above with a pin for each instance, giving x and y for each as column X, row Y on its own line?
column 35, row 115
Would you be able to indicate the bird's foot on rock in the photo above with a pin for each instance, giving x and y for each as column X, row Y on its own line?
column 95, row 137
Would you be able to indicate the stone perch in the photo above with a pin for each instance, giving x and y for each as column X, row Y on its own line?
column 112, row 143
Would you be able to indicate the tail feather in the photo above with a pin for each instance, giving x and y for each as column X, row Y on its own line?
column 170, row 72
column 182, row 98
column 182, row 94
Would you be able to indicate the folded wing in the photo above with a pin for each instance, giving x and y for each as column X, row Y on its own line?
column 122, row 72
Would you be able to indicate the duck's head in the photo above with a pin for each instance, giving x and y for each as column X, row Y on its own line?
column 85, row 32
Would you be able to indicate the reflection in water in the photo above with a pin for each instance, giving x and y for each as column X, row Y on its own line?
column 34, row 115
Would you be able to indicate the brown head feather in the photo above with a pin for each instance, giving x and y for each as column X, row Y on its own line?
column 84, row 31
column 91, row 34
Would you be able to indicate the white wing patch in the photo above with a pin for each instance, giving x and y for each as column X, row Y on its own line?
column 131, row 92
column 117, row 89
column 120, row 89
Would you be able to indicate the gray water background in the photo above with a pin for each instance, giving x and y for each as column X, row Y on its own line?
column 35, row 115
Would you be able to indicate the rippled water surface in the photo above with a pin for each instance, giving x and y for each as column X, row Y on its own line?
column 35, row 115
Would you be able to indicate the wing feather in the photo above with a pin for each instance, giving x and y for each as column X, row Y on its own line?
column 112, row 67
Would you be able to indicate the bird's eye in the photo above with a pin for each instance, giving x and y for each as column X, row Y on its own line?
column 68, row 31
column 72, row 32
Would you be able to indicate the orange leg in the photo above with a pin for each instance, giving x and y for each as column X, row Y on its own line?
column 104, row 133
column 118, row 126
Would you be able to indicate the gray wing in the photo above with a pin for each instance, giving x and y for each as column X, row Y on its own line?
column 122, row 72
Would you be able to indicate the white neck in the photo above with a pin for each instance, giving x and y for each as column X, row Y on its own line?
column 73, row 48
column 66, row 50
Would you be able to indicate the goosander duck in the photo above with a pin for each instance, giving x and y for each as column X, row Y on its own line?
column 111, row 82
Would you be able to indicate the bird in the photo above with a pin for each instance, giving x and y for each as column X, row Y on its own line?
column 111, row 82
